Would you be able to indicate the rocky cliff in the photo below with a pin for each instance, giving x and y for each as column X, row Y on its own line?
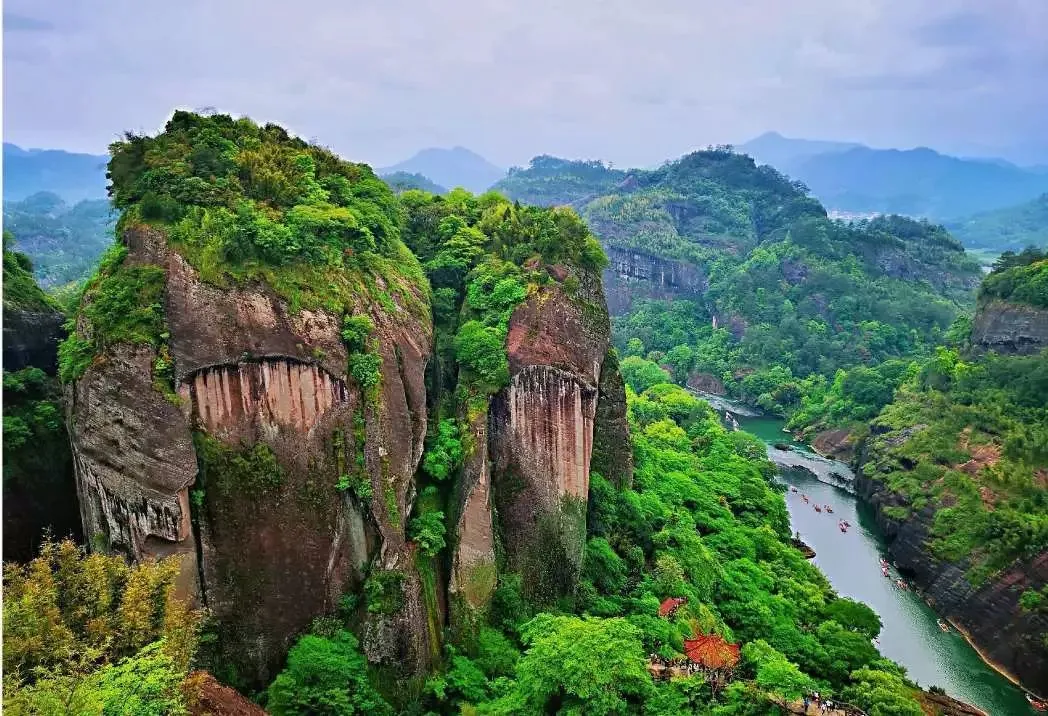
column 39, row 491
column 31, row 338
column 633, row 274
column 1010, row 328
column 262, row 408
column 562, row 415
column 1007, row 635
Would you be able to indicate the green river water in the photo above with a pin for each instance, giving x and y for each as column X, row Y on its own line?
column 911, row 635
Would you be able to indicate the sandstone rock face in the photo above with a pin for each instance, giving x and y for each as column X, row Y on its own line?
column 276, row 543
column 134, row 460
column 541, row 429
column 1010, row 328
column 633, row 274
column 1007, row 634
column 706, row 383
column 473, row 560
column 31, row 338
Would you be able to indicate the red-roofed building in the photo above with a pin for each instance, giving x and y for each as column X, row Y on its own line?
column 712, row 652
column 670, row 606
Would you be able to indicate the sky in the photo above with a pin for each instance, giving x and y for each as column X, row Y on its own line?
column 630, row 82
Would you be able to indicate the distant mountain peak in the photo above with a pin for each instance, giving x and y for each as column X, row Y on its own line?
column 451, row 167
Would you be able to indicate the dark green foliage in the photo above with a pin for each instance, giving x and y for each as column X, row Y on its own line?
column 325, row 677
column 406, row 181
column 251, row 470
column 39, row 490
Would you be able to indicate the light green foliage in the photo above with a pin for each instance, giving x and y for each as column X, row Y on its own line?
column 383, row 591
column 355, row 332
column 325, row 677
column 20, row 289
column 444, row 454
column 881, row 693
column 366, row 369
column 562, row 666
column 428, row 531
column 122, row 304
column 148, row 683
column 481, row 349
column 641, row 374
column 951, row 409
column 69, row 617
column 1019, row 279
column 775, row 674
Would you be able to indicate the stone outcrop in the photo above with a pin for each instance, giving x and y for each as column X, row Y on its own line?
column 31, row 338
column 541, row 431
column 1010, row 328
column 264, row 408
column 633, row 274
column 838, row 444
column 1006, row 634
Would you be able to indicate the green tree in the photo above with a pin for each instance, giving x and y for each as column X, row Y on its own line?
column 325, row 677
column 584, row 665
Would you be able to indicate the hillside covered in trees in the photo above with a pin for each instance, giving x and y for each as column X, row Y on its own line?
column 376, row 524
column 780, row 297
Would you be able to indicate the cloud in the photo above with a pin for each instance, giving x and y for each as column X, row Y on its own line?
column 631, row 82
column 22, row 23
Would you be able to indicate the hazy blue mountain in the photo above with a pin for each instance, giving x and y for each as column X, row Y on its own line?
column 451, row 168
column 71, row 176
column 1009, row 229
column 914, row 182
column 402, row 181
column 779, row 151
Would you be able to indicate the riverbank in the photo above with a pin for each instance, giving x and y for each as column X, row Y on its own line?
column 910, row 635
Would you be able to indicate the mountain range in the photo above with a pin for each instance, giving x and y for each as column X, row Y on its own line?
column 920, row 182
column 73, row 177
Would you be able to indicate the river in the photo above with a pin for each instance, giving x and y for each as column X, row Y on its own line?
column 911, row 635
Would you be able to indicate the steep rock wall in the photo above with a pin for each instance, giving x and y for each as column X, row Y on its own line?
column 632, row 274
column 39, row 492
column 541, row 432
column 31, row 338
column 262, row 390
column 990, row 613
column 1010, row 328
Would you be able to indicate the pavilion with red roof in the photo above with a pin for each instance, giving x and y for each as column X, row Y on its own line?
column 710, row 651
